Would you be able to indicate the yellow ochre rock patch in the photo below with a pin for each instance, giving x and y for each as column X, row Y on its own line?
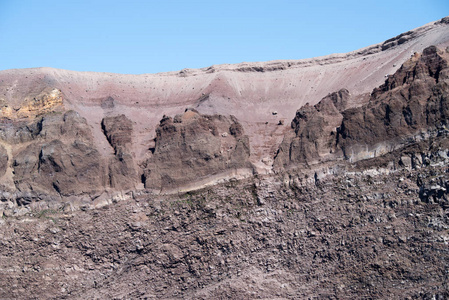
column 47, row 101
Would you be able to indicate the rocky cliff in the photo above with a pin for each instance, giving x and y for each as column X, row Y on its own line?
column 118, row 119
column 410, row 106
column 191, row 148
column 206, row 183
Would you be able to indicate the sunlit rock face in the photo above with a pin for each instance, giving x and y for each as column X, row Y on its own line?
column 49, row 100
column 316, row 178
column 191, row 147
column 412, row 104
column 241, row 120
column 57, row 158
column 122, row 173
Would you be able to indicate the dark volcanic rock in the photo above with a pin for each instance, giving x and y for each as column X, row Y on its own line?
column 61, row 158
column 122, row 173
column 315, row 131
column 413, row 100
column 58, row 125
column 118, row 130
column 19, row 131
column 122, row 170
column 398, row 40
column 67, row 126
column 411, row 105
column 192, row 147
column 56, row 167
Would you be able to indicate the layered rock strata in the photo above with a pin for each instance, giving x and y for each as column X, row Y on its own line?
column 67, row 135
column 371, row 222
column 54, row 156
column 412, row 104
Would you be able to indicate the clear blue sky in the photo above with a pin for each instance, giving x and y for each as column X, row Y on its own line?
column 167, row 35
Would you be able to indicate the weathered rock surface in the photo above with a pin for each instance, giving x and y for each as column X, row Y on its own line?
column 60, row 159
column 414, row 100
column 48, row 100
column 55, row 155
column 315, row 132
column 93, row 187
column 191, row 147
column 356, row 235
column 122, row 169
column 118, row 131
column 249, row 91
column 3, row 160
column 411, row 105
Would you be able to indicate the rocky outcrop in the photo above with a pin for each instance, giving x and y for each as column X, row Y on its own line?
column 434, row 190
column 118, row 131
column 61, row 159
column 55, row 156
column 55, row 125
column 411, row 105
column 412, row 102
column 398, row 40
column 65, row 169
column 122, row 170
column 18, row 131
column 315, row 131
column 191, row 147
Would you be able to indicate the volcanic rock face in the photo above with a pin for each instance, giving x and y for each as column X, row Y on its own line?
column 315, row 131
column 54, row 155
column 60, row 158
column 118, row 131
column 3, row 160
column 411, row 104
column 355, row 205
column 122, row 170
column 350, row 236
column 191, row 147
